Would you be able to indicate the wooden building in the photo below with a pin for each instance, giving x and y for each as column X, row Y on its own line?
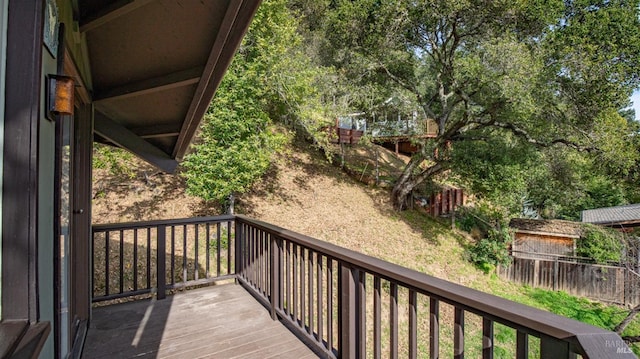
column 624, row 218
column 537, row 238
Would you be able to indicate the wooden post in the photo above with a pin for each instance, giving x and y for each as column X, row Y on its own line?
column 239, row 245
column 274, row 272
column 434, row 326
column 458, row 333
column 522, row 345
column 347, row 312
column 161, row 258
column 554, row 348
column 377, row 166
column 487, row 339
column 555, row 273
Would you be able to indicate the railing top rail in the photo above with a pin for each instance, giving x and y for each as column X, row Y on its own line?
column 589, row 338
column 167, row 222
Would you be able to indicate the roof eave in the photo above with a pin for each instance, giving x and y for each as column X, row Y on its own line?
column 235, row 25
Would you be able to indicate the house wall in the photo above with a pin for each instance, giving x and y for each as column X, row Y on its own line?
column 3, row 52
column 46, row 175
column 533, row 244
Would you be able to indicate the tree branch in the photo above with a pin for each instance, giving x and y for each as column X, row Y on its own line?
column 527, row 137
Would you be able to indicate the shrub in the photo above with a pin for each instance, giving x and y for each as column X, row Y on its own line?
column 489, row 252
column 600, row 244
column 492, row 235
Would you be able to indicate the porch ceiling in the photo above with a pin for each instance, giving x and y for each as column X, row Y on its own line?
column 155, row 66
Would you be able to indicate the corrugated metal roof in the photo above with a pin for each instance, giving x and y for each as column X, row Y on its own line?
column 610, row 215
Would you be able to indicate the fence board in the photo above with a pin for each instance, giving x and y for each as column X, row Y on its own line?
column 598, row 282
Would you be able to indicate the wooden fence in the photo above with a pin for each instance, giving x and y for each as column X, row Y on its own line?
column 599, row 282
column 445, row 202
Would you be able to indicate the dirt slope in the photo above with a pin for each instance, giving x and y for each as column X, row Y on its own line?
column 306, row 194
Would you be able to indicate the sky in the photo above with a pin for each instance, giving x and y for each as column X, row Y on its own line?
column 636, row 103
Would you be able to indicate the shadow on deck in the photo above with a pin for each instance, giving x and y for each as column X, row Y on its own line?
column 222, row 321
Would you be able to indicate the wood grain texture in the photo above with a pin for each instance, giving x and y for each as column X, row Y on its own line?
column 215, row 322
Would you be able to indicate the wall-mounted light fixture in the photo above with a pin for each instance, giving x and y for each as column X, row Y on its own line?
column 60, row 95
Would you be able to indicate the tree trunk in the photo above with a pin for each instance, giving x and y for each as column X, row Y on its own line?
column 628, row 319
column 406, row 183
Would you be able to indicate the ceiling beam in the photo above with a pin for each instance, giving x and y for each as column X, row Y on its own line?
column 233, row 28
column 111, row 12
column 156, row 84
column 128, row 140
column 157, row 131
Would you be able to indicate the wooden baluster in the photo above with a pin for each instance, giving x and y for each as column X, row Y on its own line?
column 362, row 314
column 196, row 228
column 377, row 326
column 310, row 290
column 329, row 304
column 173, row 254
column 487, row 338
column 162, row 262
column 413, row 325
column 121, row 254
column 348, row 347
column 106, row 263
column 434, row 328
column 458, row 333
column 274, row 271
column 393, row 319
column 135, row 259
column 319, row 306
column 207, row 244
column 522, row 345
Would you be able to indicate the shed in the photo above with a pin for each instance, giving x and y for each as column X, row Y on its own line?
column 536, row 238
column 620, row 217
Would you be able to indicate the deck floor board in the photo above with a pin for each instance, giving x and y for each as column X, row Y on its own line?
column 222, row 321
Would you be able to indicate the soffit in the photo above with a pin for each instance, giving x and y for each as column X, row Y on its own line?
column 155, row 65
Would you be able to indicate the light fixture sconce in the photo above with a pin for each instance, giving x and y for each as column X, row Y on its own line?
column 60, row 95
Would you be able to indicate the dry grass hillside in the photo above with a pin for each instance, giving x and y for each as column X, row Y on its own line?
column 304, row 193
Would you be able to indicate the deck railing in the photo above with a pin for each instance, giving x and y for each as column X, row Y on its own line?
column 140, row 257
column 349, row 305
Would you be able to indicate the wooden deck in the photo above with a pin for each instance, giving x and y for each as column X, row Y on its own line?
column 222, row 321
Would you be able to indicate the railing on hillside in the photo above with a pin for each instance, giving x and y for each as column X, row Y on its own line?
column 137, row 258
column 349, row 305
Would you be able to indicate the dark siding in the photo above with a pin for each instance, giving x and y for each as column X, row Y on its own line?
column 20, row 197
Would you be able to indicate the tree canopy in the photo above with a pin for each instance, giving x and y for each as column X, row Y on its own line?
column 529, row 96
column 267, row 81
column 553, row 76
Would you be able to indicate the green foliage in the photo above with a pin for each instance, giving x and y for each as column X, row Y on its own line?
column 601, row 244
column 238, row 139
column 547, row 74
column 115, row 160
column 489, row 252
column 492, row 236
column 561, row 185
column 497, row 171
